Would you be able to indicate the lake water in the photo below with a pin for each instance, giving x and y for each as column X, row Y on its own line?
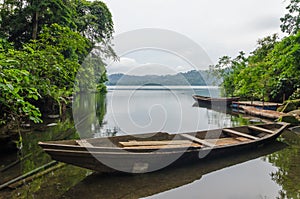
column 268, row 172
column 160, row 109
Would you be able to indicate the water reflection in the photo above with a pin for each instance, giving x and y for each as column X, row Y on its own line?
column 281, row 178
column 31, row 156
column 89, row 110
column 148, row 110
column 137, row 186
column 288, row 163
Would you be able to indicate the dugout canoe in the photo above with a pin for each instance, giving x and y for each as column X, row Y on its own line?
column 154, row 151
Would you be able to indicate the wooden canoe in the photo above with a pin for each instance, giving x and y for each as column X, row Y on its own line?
column 222, row 101
column 256, row 104
column 150, row 152
column 269, row 114
column 157, row 182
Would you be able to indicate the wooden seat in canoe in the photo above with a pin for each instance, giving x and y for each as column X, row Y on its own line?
column 197, row 140
column 227, row 141
column 260, row 129
column 230, row 131
column 84, row 143
column 131, row 143
column 157, row 147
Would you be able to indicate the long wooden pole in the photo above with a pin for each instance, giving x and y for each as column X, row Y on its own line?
column 28, row 174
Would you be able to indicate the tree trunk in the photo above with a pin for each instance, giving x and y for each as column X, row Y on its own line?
column 35, row 25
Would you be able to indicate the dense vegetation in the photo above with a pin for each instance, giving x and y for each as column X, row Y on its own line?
column 197, row 78
column 42, row 45
column 272, row 70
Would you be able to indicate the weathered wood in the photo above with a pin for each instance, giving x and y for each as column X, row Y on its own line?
column 240, row 134
column 262, row 113
column 84, row 143
column 154, row 143
column 215, row 101
column 197, row 140
column 227, row 141
column 257, row 104
column 27, row 174
column 191, row 144
column 124, row 160
column 257, row 128
column 14, row 163
column 35, row 176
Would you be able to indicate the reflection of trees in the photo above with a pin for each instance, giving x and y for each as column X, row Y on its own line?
column 239, row 120
column 221, row 119
column 287, row 161
column 31, row 156
column 89, row 110
column 63, row 130
column 100, row 107
column 100, row 112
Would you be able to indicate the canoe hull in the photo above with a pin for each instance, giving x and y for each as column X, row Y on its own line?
column 103, row 159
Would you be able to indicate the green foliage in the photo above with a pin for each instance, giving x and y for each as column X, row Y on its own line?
column 23, row 20
column 295, row 95
column 42, row 46
column 16, row 92
column 271, row 72
column 92, row 73
column 291, row 21
column 94, row 20
column 290, row 105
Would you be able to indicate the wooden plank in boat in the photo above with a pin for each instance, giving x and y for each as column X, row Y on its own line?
column 154, row 143
column 164, row 146
column 257, row 128
column 240, row 134
column 197, row 140
column 227, row 141
column 84, row 143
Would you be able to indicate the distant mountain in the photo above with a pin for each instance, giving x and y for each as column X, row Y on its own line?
column 196, row 78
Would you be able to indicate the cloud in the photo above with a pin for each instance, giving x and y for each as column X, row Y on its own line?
column 123, row 66
column 220, row 27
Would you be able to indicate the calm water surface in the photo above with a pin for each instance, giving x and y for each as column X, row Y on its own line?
column 269, row 172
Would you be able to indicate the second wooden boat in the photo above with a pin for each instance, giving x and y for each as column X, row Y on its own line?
column 150, row 152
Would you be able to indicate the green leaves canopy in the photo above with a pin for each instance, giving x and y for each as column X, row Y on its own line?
column 271, row 72
column 42, row 45
column 23, row 20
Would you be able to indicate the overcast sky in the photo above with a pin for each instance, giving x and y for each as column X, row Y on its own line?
column 219, row 27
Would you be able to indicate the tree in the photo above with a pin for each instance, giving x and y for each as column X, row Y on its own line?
column 94, row 21
column 291, row 21
column 23, row 20
column 264, row 46
column 42, row 44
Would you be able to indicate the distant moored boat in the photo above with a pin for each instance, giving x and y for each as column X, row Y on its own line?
column 221, row 101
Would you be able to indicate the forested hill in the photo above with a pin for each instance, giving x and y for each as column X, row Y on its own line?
column 199, row 78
